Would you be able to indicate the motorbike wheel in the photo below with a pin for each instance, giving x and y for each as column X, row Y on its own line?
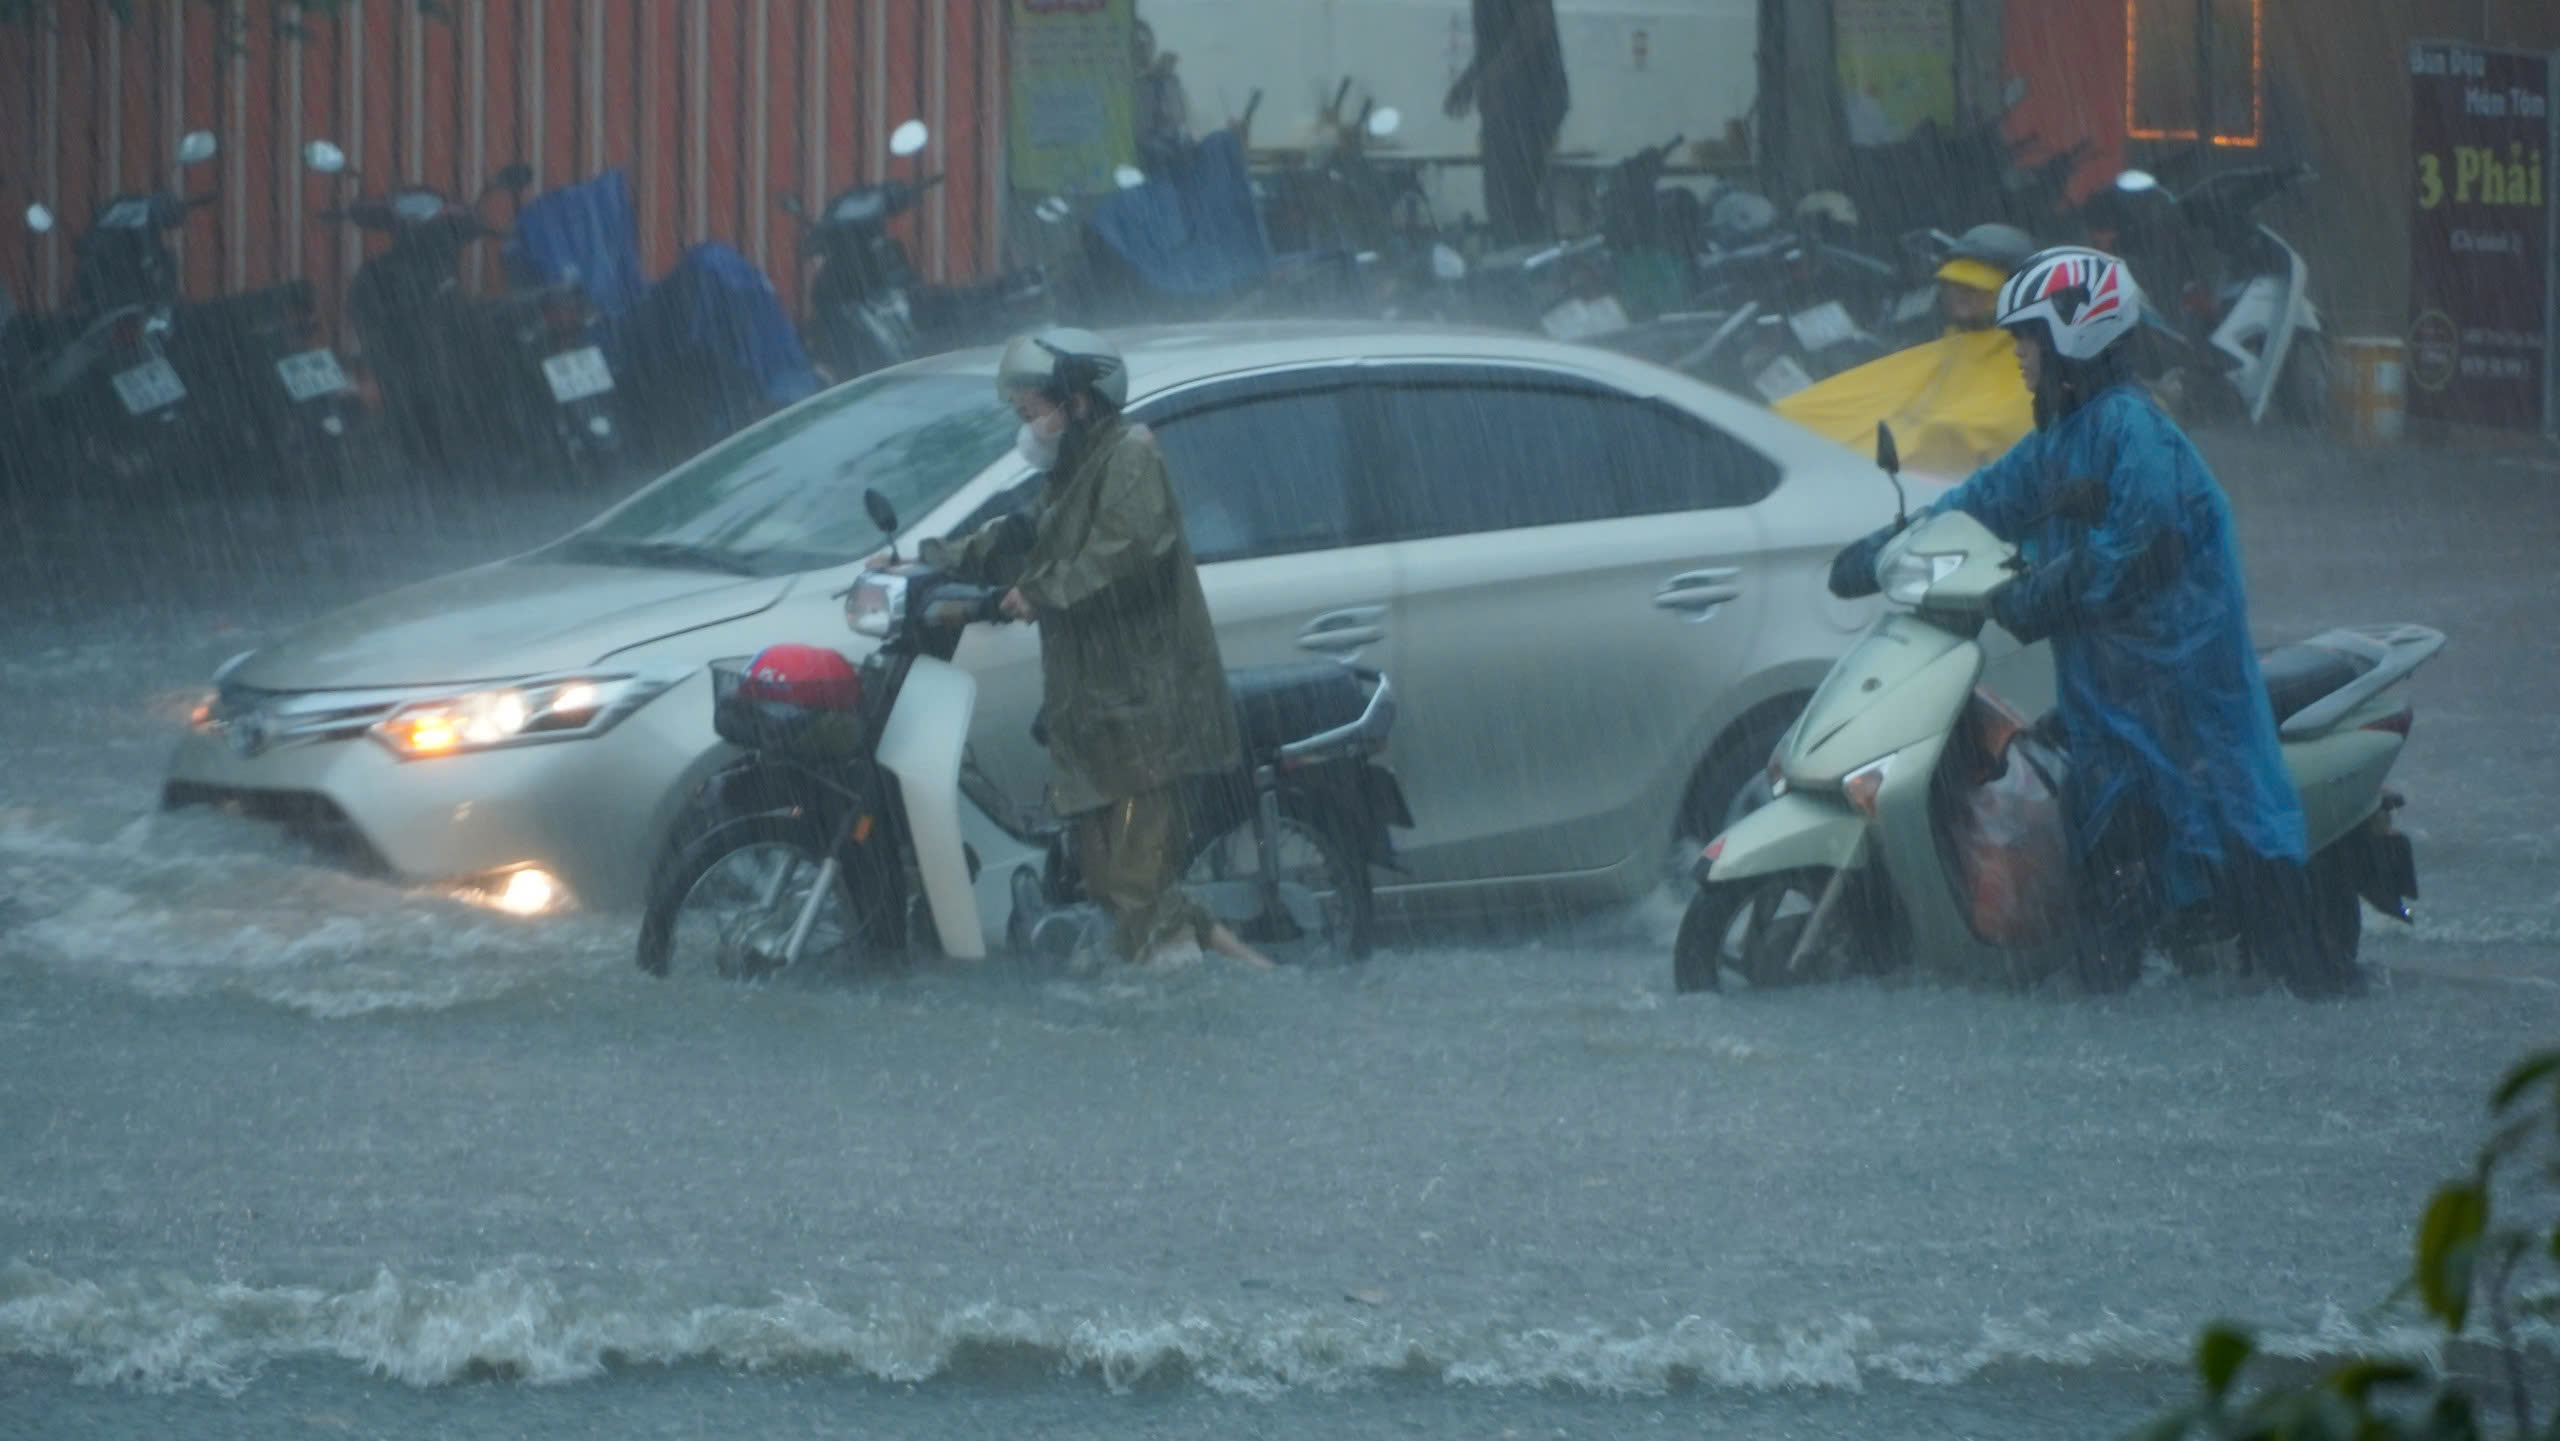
column 1732, row 783
column 2305, row 389
column 1750, row 927
column 2322, row 960
column 707, row 914
column 1324, row 890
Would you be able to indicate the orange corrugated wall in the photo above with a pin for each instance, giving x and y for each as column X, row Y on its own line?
column 712, row 106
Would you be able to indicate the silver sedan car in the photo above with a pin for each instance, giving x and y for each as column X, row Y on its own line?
column 1598, row 585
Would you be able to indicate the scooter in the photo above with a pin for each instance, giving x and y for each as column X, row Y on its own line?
column 463, row 376
column 2233, row 294
column 868, row 308
column 842, row 829
column 1852, row 866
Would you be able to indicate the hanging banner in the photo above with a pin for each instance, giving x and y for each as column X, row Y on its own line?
column 1897, row 61
column 1073, row 73
column 2480, row 288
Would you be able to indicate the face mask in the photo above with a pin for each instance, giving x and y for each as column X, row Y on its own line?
column 1037, row 441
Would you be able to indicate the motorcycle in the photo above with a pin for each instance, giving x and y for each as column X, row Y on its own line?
column 868, row 308
column 461, row 377
column 2232, row 296
column 1856, row 860
column 842, row 824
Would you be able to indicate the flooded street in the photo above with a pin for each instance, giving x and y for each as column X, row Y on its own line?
column 294, row 1152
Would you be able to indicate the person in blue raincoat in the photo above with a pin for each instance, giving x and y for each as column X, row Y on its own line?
column 2178, row 794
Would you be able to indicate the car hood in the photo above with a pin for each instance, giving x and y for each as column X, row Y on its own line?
column 513, row 618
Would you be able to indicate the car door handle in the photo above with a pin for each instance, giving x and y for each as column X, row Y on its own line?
column 1343, row 630
column 1697, row 593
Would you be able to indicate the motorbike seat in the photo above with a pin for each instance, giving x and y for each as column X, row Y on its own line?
column 2298, row 675
column 1279, row 704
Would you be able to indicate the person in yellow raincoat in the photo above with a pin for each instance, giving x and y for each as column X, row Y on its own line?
column 1956, row 403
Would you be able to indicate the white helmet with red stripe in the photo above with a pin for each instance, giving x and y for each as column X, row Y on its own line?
column 2086, row 299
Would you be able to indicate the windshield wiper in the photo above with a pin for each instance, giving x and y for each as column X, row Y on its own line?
column 674, row 555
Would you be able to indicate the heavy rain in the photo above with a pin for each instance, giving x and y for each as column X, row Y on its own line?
column 1299, row 718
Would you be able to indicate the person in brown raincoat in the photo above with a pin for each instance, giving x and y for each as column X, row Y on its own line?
column 1134, row 691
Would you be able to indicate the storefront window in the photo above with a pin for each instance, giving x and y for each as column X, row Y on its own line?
column 2174, row 78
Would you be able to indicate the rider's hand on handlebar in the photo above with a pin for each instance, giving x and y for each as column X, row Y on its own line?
column 1013, row 606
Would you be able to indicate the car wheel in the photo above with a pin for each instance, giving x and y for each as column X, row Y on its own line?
column 1324, row 889
column 726, row 904
column 1732, row 784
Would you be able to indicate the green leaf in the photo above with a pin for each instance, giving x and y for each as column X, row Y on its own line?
column 2356, row 1379
column 2521, row 1077
column 2220, row 1351
column 2448, row 1237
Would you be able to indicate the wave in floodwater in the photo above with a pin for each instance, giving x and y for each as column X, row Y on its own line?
column 196, row 902
column 173, row 1333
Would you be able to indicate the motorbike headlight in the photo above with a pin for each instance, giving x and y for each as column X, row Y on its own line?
column 1906, row 578
column 527, row 713
column 874, row 604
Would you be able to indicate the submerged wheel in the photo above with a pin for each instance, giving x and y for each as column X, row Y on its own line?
column 2319, row 958
column 1750, row 927
column 725, row 905
column 1325, row 905
column 2305, row 393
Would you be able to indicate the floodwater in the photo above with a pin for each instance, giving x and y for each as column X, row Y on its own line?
column 294, row 1153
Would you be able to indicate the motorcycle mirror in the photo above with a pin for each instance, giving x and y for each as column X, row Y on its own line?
column 1889, row 460
column 1128, row 177
column 324, row 157
column 40, row 219
column 197, row 147
column 1385, row 121
column 908, row 139
column 882, row 513
column 513, row 177
column 2137, row 181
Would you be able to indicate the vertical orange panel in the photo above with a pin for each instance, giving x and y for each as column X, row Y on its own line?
column 651, row 117
column 136, row 122
column 251, row 208
column 847, row 52
column 502, row 134
column 439, row 103
column 195, row 31
column 563, row 96
column 721, row 180
column 377, row 68
column 902, row 66
column 324, row 117
column 786, row 112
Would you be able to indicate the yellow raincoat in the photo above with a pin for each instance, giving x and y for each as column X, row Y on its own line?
column 1956, row 404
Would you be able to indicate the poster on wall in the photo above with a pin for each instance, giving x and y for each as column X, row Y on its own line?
column 1897, row 62
column 1071, row 78
column 2480, row 256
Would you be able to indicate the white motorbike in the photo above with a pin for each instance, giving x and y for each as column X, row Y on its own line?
column 852, row 831
column 1853, row 865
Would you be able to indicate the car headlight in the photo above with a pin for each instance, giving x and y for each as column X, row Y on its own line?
column 874, row 604
column 1907, row 577
column 526, row 713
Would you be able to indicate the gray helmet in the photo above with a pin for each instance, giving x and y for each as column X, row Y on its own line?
column 1061, row 360
column 2002, row 247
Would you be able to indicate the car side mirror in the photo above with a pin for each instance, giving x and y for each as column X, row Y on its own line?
column 1384, row 122
column 1128, row 177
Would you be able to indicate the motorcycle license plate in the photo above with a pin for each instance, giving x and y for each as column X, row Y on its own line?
column 152, row 385
column 1780, row 378
column 312, row 374
column 577, row 374
column 1823, row 326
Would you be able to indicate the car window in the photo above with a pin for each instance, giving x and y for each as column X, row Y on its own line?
column 1667, row 461
column 1472, row 458
column 787, row 495
column 1487, row 455
column 1264, row 475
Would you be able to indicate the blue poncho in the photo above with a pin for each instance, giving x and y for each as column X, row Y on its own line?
column 2138, row 587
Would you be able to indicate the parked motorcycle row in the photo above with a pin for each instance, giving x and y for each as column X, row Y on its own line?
column 576, row 364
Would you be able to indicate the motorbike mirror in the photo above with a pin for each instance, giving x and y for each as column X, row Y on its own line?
column 1128, row 177
column 513, row 177
column 325, row 157
column 1385, row 121
column 908, row 139
column 882, row 513
column 40, row 219
column 2137, row 181
column 1889, row 460
column 197, row 147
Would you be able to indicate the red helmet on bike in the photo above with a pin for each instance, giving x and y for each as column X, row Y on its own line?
column 810, row 676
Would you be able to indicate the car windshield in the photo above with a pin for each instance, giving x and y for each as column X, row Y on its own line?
column 787, row 495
